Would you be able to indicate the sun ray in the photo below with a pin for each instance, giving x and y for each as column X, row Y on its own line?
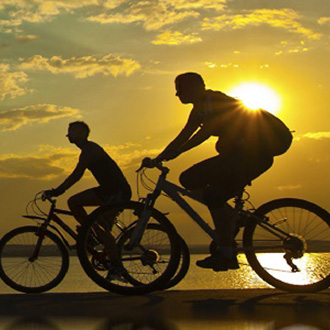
column 255, row 96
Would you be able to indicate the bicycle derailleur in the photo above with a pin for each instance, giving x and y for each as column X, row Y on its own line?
column 295, row 246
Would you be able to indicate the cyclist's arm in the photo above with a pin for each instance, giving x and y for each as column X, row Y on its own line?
column 202, row 135
column 190, row 127
column 76, row 175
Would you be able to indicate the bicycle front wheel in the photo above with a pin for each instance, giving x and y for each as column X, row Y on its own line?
column 290, row 250
column 24, row 269
column 147, row 267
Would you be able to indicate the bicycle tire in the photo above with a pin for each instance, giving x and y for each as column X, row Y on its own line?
column 183, row 266
column 40, row 275
column 307, row 248
column 158, row 220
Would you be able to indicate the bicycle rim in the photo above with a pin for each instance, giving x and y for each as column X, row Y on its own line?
column 299, row 262
column 32, row 275
column 146, row 267
column 183, row 266
column 148, row 261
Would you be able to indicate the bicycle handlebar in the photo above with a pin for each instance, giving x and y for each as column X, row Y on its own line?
column 152, row 163
column 45, row 196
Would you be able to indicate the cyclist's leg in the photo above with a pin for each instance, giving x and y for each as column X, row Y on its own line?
column 95, row 197
column 224, row 257
column 233, row 173
column 77, row 202
column 200, row 178
column 196, row 178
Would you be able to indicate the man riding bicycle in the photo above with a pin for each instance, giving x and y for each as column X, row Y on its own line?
column 221, row 177
column 113, row 186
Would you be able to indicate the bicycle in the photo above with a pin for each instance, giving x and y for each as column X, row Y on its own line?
column 34, row 259
column 148, row 265
column 286, row 241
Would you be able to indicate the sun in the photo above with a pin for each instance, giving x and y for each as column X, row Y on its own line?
column 255, row 96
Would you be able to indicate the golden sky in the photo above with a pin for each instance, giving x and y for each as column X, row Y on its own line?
column 112, row 63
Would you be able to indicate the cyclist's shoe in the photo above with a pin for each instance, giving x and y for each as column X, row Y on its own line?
column 218, row 263
column 116, row 272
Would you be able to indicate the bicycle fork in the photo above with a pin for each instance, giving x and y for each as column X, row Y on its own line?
column 40, row 233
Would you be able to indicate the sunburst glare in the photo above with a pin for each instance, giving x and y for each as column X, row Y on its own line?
column 255, row 96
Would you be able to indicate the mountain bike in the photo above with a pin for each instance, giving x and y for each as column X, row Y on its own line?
column 286, row 241
column 149, row 265
column 35, row 259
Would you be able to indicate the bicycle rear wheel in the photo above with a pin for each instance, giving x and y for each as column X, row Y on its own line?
column 147, row 266
column 296, row 259
column 23, row 272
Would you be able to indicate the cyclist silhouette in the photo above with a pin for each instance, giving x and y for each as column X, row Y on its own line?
column 113, row 186
column 221, row 177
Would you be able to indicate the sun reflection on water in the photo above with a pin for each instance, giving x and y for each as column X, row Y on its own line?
column 312, row 266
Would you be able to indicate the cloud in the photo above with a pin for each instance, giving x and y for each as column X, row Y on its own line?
column 26, row 38
column 37, row 11
column 112, row 4
column 289, row 187
column 40, row 113
column 317, row 135
column 82, row 67
column 47, row 163
column 211, row 65
column 36, row 168
column 313, row 136
column 11, row 82
column 281, row 18
column 324, row 20
column 176, row 38
column 51, row 162
column 153, row 15
column 130, row 154
column 218, row 5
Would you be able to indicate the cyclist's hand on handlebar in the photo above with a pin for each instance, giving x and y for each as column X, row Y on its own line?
column 149, row 163
column 47, row 194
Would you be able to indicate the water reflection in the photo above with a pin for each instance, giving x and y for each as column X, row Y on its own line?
column 32, row 323
column 129, row 323
column 120, row 323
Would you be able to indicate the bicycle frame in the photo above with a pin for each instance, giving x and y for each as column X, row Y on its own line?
column 52, row 216
column 174, row 192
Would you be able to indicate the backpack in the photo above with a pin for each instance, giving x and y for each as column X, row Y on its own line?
column 266, row 131
column 260, row 130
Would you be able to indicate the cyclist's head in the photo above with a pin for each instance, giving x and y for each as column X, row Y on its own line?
column 78, row 131
column 189, row 87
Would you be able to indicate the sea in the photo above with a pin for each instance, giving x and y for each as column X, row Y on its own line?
column 196, row 279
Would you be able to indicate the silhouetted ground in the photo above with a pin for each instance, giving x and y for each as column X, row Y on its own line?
column 195, row 309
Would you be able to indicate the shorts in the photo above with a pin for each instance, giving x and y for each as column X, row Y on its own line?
column 112, row 196
column 223, row 176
